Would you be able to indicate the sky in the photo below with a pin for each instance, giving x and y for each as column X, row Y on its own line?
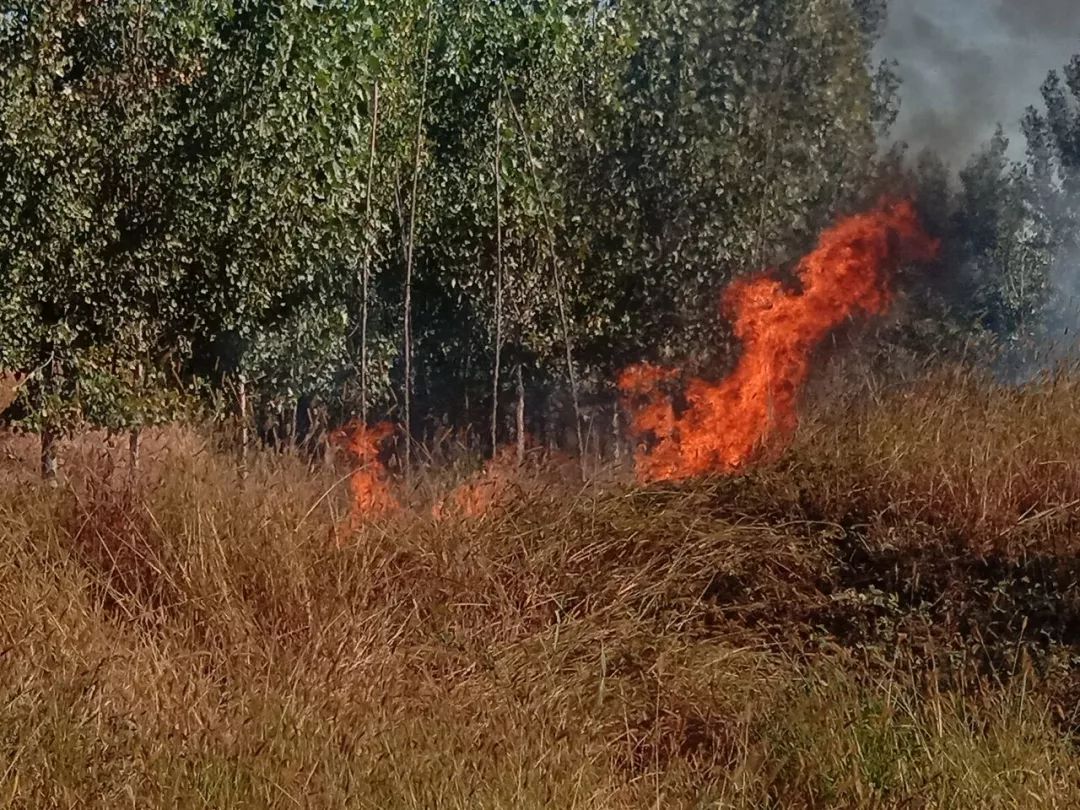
column 968, row 64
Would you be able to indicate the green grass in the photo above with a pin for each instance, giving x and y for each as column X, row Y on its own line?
column 884, row 617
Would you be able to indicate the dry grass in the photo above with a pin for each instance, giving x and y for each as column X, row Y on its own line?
column 997, row 464
column 884, row 618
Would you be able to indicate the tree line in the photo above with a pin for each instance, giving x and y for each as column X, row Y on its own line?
column 453, row 212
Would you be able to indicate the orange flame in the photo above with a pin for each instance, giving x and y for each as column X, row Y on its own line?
column 476, row 497
column 371, row 492
column 725, row 423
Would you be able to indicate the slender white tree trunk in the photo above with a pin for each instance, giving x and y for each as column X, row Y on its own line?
column 50, row 438
column 520, row 415
column 242, row 413
column 556, row 272
column 49, row 443
column 498, row 283
column 616, row 434
column 133, row 451
column 410, row 246
column 366, row 270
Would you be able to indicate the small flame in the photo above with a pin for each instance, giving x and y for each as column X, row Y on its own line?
column 370, row 487
column 726, row 423
column 479, row 495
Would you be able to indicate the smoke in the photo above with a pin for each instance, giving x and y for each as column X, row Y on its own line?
column 968, row 65
column 1052, row 343
column 1060, row 330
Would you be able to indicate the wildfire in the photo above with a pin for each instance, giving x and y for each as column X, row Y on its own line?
column 476, row 497
column 370, row 488
column 726, row 422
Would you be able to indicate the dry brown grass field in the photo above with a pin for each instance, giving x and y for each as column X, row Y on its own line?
column 885, row 616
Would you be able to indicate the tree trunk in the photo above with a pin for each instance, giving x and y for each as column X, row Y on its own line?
column 294, row 428
column 50, row 437
column 616, row 434
column 49, row 443
column 467, row 404
column 410, row 248
column 133, row 433
column 556, row 272
column 366, row 271
column 498, row 286
column 242, row 412
column 133, row 451
column 520, row 416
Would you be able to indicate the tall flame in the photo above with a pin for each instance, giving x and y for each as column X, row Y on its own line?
column 371, row 491
column 726, row 422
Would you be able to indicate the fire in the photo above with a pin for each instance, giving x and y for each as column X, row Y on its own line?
column 725, row 423
column 476, row 497
column 371, row 492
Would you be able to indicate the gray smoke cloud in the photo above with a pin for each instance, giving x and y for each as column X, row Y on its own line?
column 1053, row 343
column 968, row 65
column 1060, row 337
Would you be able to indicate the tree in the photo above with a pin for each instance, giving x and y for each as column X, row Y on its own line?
column 85, row 96
column 383, row 205
column 736, row 132
column 274, row 220
column 1053, row 162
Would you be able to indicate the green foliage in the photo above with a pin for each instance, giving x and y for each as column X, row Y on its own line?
column 191, row 193
column 1010, row 231
column 737, row 132
column 83, row 93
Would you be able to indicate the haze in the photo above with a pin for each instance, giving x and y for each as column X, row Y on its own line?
column 969, row 64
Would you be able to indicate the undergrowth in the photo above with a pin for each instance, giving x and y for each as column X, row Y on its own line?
column 884, row 616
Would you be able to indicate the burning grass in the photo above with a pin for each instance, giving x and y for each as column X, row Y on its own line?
column 725, row 424
column 886, row 616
